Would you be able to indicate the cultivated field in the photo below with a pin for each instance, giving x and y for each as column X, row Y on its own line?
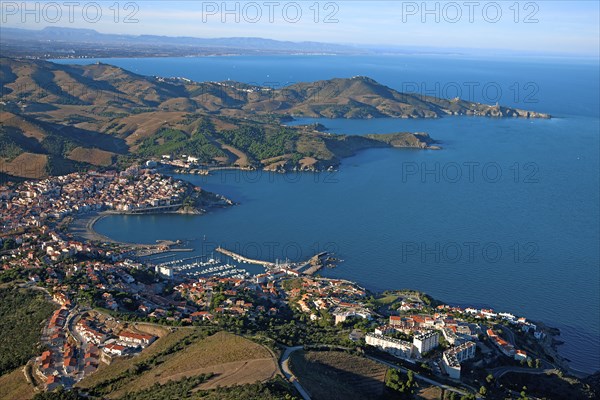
column 336, row 375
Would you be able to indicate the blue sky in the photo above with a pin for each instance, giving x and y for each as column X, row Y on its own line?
column 553, row 27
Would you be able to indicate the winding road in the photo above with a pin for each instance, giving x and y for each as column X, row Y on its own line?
column 289, row 375
column 500, row 371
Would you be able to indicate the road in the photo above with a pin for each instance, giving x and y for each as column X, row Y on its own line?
column 289, row 375
column 420, row 377
column 74, row 314
column 510, row 335
column 500, row 371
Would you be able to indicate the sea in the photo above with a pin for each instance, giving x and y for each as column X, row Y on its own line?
column 505, row 215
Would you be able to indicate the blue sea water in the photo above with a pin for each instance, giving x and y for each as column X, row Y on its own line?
column 505, row 216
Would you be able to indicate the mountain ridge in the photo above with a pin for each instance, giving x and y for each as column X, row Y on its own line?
column 101, row 115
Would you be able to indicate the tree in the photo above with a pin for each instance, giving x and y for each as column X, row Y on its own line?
column 489, row 378
column 530, row 363
column 9, row 244
column 523, row 394
column 394, row 381
column 411, row 377
column 483, row 391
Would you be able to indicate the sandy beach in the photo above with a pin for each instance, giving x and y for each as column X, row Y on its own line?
column 82, row 229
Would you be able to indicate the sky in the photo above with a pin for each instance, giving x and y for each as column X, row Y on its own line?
column 549, row 26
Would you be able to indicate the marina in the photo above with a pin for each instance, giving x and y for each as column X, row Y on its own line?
column 197, row 269
column 204, row 266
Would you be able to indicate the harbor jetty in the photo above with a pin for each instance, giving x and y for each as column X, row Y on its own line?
column 312, row 265
column 315, row 263
column 240, row 258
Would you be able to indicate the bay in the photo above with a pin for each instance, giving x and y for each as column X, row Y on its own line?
column 505, row 216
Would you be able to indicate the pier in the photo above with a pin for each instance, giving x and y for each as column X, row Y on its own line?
column 314, row 264
column 240, row 258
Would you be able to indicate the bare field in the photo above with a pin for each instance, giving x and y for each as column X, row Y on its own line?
column 92, row 156
column 232, row 359
column 242, row 158
column 14, row 386
column 121, row 365
column 429, row 393
column 145, row 125
column 26, row 165
column 150, row 329
column 336, row 375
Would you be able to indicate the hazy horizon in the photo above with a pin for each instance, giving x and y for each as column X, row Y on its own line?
column 554, row 28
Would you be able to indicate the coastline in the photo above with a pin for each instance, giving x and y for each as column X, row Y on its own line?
column 82, row 228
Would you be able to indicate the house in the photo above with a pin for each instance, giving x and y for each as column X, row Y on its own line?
column 70, row 364
column 385, row 330
column 521, row 355
column 52, row 382
column 201, row 316
column 136, row 338
column 88, row 333
column 115, row 349
column 451, row 365
column 506, row 348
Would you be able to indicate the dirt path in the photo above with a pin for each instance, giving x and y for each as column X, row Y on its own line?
column 231, row 373
column 242, row 158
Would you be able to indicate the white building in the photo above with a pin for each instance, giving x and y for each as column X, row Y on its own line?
column 451, row 365
column 385, row 330
column 342, row 314
column 464, row 351
column 396, row 347
column 165, row 271
column 114, row 349
column 451, row 337
column 521, row 355
column 424, row 342
column 454, row 356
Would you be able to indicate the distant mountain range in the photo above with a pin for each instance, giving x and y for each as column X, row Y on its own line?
column 72, row 42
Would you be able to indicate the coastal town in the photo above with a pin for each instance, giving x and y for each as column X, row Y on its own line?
column 134, row 190
column 336, row 200
column 104, row 291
